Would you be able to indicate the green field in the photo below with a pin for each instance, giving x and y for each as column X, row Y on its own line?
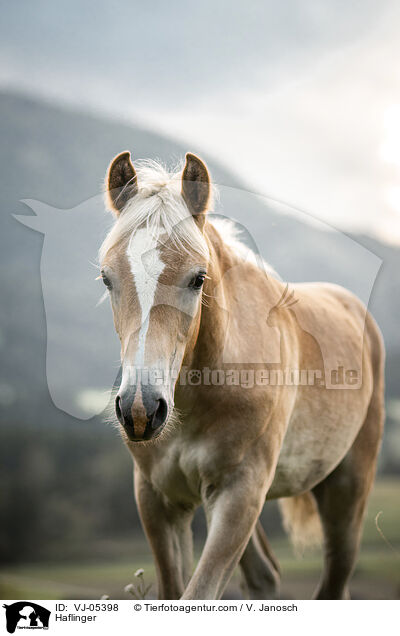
column 377, row 575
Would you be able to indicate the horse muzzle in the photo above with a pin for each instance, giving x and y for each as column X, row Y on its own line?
column 142, row 414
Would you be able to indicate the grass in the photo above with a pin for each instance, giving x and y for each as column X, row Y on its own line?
column 377, row 574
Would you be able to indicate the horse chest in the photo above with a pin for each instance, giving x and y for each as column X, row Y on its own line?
column 177, row 472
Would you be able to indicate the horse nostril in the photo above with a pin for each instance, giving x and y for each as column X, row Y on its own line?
column 160, row 415
column 118, row 409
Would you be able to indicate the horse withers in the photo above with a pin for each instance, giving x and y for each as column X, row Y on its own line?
column 235, row 389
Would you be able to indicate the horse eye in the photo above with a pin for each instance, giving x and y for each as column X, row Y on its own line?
column 197, row 281
column 106, row 280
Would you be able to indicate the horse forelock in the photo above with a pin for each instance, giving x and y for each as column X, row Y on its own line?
column 159, row 207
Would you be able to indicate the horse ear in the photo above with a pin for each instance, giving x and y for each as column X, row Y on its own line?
column 196, row 187
column 121, row 181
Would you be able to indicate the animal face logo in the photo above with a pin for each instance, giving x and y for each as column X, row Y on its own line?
column 26, row 615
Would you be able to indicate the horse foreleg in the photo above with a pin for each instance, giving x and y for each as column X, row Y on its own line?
column 169, row 533
column 259, row 567
column 232, row 513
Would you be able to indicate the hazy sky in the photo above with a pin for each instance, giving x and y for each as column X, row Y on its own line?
column 301, row 97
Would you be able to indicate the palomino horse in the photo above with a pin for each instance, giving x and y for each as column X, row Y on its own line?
column 191, row 308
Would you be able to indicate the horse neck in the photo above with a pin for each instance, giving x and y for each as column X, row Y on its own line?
column 226, row 270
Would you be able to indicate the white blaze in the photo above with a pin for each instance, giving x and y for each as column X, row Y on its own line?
column 146, row 267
